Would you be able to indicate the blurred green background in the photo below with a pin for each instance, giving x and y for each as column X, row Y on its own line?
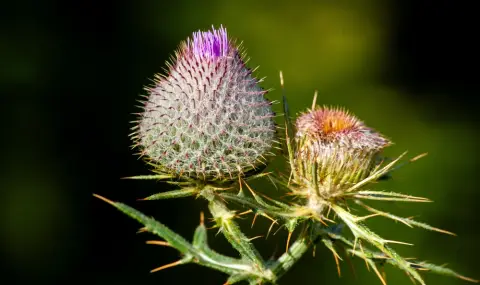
column 73, row 70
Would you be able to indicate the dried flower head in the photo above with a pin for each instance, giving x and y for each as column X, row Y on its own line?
column 336, row 148
column 207, row 118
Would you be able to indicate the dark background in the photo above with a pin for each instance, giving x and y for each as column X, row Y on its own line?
column 70, row 75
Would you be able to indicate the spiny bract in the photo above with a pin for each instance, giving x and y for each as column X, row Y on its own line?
column 208, row 118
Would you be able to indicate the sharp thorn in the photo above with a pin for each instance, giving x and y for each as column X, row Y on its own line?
column 245, row 212
column 255, row 237
column 269, row 230
column 158, row 242
column 418, row 157
column 179, row 262
column 254, row 219
column 288, row 241
column 104, row 199
column 337, row 262
column 142, row 230
column 314, row 100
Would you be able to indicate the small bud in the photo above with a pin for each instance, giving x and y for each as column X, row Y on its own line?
column 207, row 119
column 335, row 150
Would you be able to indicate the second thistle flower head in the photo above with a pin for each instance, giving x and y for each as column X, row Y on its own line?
column 207, row 118
column 334, row 149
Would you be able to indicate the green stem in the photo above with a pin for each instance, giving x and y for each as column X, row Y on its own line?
column 286, row 261
column 230, row 229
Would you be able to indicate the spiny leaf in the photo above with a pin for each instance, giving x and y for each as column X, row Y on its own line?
column 407, row 221
column 180, row 193
column 362, row 232
column 153, row 226
column 358, row 230
column 150, row 177
column 379, row 257
column 256, row 176
column 376, row 174
column 180, row 183
column 201, row 255
column 398, row 166
column 385, row 196
column 442, row 271
column 402, row 264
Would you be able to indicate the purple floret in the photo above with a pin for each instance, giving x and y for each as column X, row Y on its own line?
column 212, row 43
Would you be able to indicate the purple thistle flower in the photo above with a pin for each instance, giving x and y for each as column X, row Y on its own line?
column 207, row 119
column 213, row 43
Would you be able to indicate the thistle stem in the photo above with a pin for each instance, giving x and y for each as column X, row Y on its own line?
column 230, row 229
column 286, row 261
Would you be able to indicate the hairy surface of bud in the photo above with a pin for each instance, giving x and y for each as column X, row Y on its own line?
column 207, row 118
column 335, row 150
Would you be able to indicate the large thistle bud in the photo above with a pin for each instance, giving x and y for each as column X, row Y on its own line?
column 207, row 118
column 335, row 150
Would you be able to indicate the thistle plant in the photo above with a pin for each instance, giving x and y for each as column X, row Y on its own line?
column 207, row 128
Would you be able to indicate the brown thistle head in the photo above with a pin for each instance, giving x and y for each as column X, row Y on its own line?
column 335, row 150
